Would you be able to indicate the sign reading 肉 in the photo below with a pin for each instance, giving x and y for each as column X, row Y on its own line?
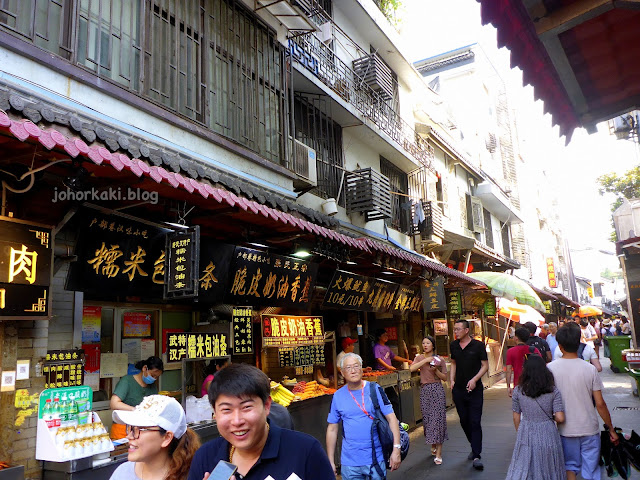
column 285, row 330
column 196, row 345
column 242, row 329
column 25, row 270
column 258, row 278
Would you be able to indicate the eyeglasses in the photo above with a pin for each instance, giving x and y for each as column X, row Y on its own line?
column 134, row 431
column 351, row 368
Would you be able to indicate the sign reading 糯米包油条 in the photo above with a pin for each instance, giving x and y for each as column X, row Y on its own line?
column 196, row 345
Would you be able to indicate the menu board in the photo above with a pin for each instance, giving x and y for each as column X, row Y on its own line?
column 347, row 291
column 454, row 302
column 283, row 330
column 380, row 296
column 301, row 356
column 196, row 345
column 63, row 368
column 490, row 307
column 242, row 328
column 433, row 296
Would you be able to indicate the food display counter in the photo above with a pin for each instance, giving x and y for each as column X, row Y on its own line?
column 383, row 378
column 405, row 392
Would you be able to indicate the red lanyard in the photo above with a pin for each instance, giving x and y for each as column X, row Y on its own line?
column 361, row 407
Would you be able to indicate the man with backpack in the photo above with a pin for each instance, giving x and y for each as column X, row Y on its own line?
column 353, row 405
column 537, row 342
column 585, row 351
column 516, row 357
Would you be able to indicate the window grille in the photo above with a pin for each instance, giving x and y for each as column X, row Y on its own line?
column 400, row 204
column 209, row 60
column 318, row 131
column 488, row 231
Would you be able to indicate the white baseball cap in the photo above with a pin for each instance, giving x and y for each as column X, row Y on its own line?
column 155, row 411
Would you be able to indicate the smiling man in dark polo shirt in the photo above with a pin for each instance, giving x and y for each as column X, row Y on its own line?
column 261, row 450
column 468, row 363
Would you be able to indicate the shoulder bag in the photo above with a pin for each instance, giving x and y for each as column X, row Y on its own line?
column 380, row 427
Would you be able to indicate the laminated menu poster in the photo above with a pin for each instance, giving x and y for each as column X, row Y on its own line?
column 137, row 324
column 91, row 324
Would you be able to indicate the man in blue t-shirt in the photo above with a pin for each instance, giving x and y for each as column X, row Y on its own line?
column 353, row 406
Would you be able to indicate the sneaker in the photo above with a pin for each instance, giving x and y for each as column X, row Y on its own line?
column 471, row 456
column 477, row 464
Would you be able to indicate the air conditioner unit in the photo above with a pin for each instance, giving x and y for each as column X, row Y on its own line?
column 325, row 33
column 304, row 166
column 478, row 215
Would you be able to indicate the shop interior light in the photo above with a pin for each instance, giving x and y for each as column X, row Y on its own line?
column 257, row 245
column 302, row 253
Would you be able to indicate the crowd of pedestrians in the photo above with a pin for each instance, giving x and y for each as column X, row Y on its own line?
column 553, row 382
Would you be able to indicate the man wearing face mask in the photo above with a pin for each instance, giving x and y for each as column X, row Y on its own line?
column 131, row 389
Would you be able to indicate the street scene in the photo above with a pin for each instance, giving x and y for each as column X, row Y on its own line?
column 318, row 239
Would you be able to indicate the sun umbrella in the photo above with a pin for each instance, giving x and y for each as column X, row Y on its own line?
column 587, row 311
column 517, row 312
column 510, row 287
column 520, row 313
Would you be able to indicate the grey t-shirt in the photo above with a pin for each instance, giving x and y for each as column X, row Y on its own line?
column 577, row 380
column 126, row 471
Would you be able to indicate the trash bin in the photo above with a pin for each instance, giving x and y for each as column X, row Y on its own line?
column 635, row 374
column 616, row 345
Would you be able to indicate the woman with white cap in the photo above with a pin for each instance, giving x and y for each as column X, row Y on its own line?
column 161, row 446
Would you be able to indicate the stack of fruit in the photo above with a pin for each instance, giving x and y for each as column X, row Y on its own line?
column 281, row 395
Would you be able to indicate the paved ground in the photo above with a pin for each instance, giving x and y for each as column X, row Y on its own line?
column 499, row 434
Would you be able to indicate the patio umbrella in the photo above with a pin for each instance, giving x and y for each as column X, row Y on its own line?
column 587, row 311
column 520, row 313
column 510, row 287
column 517, row 312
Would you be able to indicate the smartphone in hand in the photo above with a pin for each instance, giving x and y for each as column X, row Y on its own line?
column 223, row 471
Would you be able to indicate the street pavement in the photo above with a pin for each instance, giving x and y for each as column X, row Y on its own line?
column 499, row 434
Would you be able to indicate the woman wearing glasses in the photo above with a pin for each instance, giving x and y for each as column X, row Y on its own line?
column 161, row 446
column 432, row 399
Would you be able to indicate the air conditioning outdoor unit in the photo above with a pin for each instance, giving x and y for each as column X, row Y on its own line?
column 304, row 166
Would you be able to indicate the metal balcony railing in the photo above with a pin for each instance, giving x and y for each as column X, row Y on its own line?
column 318, row 58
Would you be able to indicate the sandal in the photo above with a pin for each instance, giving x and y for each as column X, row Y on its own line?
column 437, row 460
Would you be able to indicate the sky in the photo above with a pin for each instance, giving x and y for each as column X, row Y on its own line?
column 585, row 215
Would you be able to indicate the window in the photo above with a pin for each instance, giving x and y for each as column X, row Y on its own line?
column 400, row 201
column 316, row 130
column 211, row 60
column 488, row 230
column 506, row 239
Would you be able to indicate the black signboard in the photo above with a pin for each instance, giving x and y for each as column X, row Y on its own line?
column 63, row 368
column 117, row 255
column 196, row 345
column 407, row 299
column 258, row 278
column 182, row 260
column 347, row 291
column 433, row 297
column 25, row 270
column 380, row 296
column 454, row 302
column 301, row 356
column 242, row 330
column 215, row 259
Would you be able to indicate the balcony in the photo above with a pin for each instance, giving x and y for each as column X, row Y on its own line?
column 497, row 203
column 313, row 55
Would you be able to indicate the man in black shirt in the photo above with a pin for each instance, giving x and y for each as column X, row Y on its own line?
column 537, row 342
column 468, row 363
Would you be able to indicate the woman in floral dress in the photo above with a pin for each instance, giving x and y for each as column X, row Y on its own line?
column 432, row 400
column 537, row 406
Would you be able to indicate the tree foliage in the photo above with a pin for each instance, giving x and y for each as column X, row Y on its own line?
column 624, row 186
